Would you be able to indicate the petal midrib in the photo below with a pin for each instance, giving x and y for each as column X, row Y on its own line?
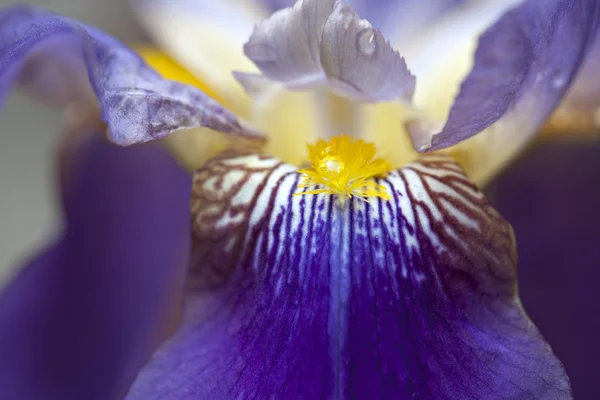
column 339, row 295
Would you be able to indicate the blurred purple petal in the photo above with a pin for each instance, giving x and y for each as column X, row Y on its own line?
column 83, row 317
column 524, row 64
column 551, row 197
column 294, row 297
column 585, row 92
column 136, row 103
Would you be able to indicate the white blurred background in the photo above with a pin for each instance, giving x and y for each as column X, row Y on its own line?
column 29, row 211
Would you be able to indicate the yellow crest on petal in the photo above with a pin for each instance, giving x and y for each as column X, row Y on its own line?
column 346, row 168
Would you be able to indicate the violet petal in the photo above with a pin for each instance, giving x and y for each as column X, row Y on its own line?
column 136, row 103
column 295, row 297
column 525, row 61
column 551, row 197
column 83, row 317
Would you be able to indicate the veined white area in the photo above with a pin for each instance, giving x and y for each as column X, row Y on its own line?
column 283, row 192
column 431, row 205
column 460, row 215
column 396, row 184
column 262, row 202
column 231, row 179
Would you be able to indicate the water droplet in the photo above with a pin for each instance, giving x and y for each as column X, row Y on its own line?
column 365, row 42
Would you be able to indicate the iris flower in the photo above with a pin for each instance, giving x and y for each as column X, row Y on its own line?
column 356, row 269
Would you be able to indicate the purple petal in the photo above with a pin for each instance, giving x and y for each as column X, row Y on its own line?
column 551, row 198
column 136, row 103
column 84, row 316
column 579, row 112
column 296, row 297
column 525, row 61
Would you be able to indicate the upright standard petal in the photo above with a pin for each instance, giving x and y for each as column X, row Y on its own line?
column 298, row 297
column 286, row 46
column 579, row 113
column 358, row 57
column 396, row 19
column 83, row 317
column 136, row 103
column 318, row 43
column 524, row 64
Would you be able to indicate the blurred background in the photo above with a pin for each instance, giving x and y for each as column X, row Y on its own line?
column 550, row 195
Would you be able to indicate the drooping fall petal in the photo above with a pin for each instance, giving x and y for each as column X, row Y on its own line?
column 551, row 197
column 298, row 297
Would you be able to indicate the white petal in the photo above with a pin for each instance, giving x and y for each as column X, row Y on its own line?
column 285, row 47
column 358, row 58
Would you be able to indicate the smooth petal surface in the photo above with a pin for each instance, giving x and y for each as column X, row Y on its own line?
column 315, row 43
column 579, row 112
column 207, row 37
column 551, row 197
column 286, row 46
column 84, row 316
column 525, row 61
column 136, row 103
column 295, row 297
column 358, row 57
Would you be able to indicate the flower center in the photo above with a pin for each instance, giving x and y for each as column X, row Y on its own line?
column 344, row 167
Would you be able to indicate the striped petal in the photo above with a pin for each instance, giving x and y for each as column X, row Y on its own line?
column 66, row 61
column 297, row 297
